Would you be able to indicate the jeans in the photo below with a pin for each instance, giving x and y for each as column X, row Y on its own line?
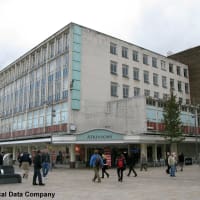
column 172, row 170
column 45, row 168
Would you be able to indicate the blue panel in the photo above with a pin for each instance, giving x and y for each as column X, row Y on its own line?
column 76, row 65
column 76, row 95
column 76, row 56
column 75, row 104
column 76, row 85
column 77, row 39
column 76, row 47
column 77, row 30
column 76, row 75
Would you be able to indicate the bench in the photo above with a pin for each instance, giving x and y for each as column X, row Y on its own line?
column 7, row 175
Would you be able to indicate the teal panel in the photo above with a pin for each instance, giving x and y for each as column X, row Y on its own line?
column 77, row 30
column 76, row 105
column 76, row 75
column 76, row 56
column 76, row 47
column 99, row 135
column 76, row 95
column 76, row 65
column 76, row 85
column 76, row 39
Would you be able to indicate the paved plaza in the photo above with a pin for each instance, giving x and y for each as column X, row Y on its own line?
column 76, row 184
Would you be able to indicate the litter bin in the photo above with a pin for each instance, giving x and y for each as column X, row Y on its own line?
column 188, row 161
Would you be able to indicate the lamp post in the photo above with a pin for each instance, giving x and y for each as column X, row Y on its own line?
column 196, row 133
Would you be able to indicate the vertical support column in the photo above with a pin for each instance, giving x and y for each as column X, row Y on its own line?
column 14, row 153
column 155, row 153
column 129, row 149
column 72, row 156
column 86, row 153
column 164, row 151
column 143, row 149
column 29, row 149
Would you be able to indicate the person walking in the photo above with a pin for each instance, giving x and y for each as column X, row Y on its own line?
column 131, row 163
column 25, row 162
column 172, row 164
column 96, row 162
column 37, row 166
column 181, row 160
column 143, row 163
column 121, row 166
column 45, row 163
column 105, row 166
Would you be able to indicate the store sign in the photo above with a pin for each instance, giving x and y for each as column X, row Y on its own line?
column 99, row 135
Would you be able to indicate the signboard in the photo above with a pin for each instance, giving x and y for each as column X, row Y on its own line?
column 99, row 135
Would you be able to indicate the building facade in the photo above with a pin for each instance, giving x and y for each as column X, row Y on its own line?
column 81, row 89
column 191, row 57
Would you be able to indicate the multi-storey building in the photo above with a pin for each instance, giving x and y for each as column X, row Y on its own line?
column 191, row 57
column 81, row 89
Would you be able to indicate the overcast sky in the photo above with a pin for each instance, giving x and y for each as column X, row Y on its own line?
column 157, row 25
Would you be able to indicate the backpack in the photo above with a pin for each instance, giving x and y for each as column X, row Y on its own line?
column 97, row 161
column 120, row 163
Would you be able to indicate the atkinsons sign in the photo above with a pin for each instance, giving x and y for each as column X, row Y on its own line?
column 99, row 135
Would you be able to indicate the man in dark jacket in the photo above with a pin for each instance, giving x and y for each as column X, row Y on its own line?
column 1, row 158
column 25, row 162
column 131, row 163
column 37, row 166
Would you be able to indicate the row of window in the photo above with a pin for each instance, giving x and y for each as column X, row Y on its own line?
column 40, row 56
column 146, row 60
column 136, row 76
column 136, row 92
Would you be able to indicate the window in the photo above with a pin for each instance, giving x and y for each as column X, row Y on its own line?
column 155, row 79
column 145, row 59
column 164, row 81
column 171, row 68
column 125, row 71
column 51, row 49
column 163, row 67
column 113, row 48
column 146, row 93
column 113, row 67
column 114, row 89
column 172, row 84
column 59, row 45
column 146, row 76
column 179, row 86
column 156, row 95
column 136, row 91
column 165, row 96
column 154, row 62
column 187, row 101
column 136, row 74
column 135, row 56
column 178, row 69
column 124, row 52
column 125, row 91
column 180, row 100
column 186, row 88
column 185, row 73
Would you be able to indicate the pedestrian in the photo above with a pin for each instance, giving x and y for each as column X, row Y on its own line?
column 172, row 164
column 1, row 158
column 181, row 160
column 143, row 162
column 105, row 167
column 45, row 163
column 166, row 162
column 96, row 162
column 131, row 164
column 121, row 166
column 37, row 166
column 25, row 162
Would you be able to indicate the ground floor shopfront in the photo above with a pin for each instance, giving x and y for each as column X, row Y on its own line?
column 75, row 150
